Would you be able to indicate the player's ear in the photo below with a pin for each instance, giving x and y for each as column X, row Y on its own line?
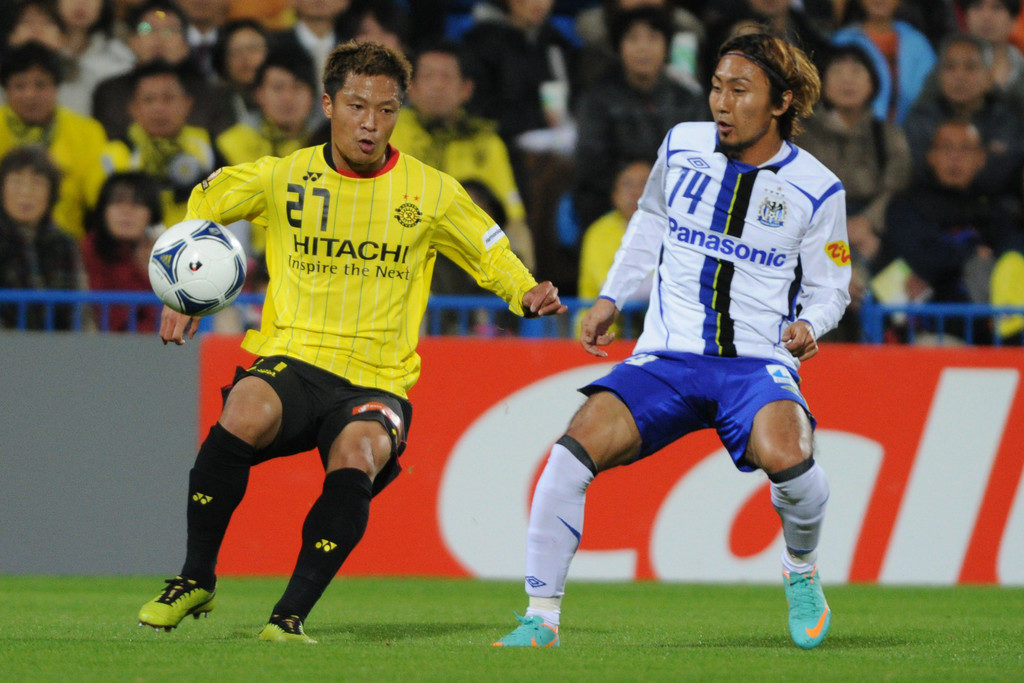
column 787, row 101
column 328, row 105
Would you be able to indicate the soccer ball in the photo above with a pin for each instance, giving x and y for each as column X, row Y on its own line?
column 197, row 267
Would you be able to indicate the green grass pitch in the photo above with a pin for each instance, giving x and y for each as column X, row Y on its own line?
column 71, row 628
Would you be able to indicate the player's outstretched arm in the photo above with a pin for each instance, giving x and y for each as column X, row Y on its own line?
column 175, row 326
column 799, row 340
column 541, row 300
column 596, row 323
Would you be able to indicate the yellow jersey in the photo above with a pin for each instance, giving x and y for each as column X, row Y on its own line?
column 597, row 252
column 470, row 149
column 350, row 258
column 75, row 143
column 241, row 143
column 177, row 163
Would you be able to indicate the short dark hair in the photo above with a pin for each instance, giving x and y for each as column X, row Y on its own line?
column 1012, row 6
column 134, row 16
column 219, row 52
column 856, row 53
column 368, row 59
column 442, row 46
column 296, row 63
column 391, row 16
column 30, row 55
column 157, row 67
column 35, row 159
column 656, row 18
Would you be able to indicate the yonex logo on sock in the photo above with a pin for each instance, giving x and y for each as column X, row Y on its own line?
column 325, row 545
column 535, row 582
column 201, row 498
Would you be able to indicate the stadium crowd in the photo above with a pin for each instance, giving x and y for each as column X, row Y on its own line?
column 549, row 111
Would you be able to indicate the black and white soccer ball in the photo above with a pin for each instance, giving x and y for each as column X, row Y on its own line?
column 197, row 267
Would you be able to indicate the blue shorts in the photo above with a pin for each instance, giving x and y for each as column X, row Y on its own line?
column 672, row 394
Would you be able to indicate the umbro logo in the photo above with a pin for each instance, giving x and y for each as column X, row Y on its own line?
column 325, row 545
column 312, row 176
column 698, row 162
column 535, row 582
column 201, row 498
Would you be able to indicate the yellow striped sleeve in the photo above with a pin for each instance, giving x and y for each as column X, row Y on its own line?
column 230, row 194
column 470, row 238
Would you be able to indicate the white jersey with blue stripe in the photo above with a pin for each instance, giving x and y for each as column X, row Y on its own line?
column 738, row 251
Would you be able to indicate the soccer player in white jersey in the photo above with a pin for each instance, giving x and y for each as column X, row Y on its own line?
column 746, row 235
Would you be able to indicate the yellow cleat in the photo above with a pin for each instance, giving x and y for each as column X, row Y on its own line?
column 179, row 599
column 285, row 630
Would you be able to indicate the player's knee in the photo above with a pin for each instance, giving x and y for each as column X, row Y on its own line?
column 780, row 459
column 252, row 413
column 605, row 429
column 362, row 445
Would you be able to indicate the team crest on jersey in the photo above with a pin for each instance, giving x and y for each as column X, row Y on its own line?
column 408, row 214
column 772, row 212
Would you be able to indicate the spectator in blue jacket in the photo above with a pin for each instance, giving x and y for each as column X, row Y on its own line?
column 902, row 55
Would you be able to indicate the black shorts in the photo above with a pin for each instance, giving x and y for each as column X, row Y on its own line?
column 316, row 406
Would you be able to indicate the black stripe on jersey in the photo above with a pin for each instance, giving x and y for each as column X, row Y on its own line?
column 740, row 203
column 725, row 335
column 794, row 289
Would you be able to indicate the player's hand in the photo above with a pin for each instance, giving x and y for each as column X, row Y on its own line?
column 177, row 327
column 799, row 340
column 541, row 300
column 594, row 328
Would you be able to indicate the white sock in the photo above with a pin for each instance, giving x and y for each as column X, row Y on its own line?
column 548, row 609
column 556, row 525
column 800, row 503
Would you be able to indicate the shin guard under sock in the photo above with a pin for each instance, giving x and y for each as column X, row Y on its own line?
column 800, row 502
column 333, row 527
column 216, row 485
column 556, row 525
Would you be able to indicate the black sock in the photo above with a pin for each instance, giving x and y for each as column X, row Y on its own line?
column 216, row 485
column 332, row 529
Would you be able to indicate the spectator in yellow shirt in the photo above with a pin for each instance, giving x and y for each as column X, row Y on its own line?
column 436, row 129
column 284, row 88
column 29, row 75
column 601, row 240
column 159, row 142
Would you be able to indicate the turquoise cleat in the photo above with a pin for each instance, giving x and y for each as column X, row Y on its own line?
column 809, row 614
column 531, row 632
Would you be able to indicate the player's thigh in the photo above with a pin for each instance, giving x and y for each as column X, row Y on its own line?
column 252, row 411
column 606, row 429
column 781, row 436
column 364, row 445
column 365, row 430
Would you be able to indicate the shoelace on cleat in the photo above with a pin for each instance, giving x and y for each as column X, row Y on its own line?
column 176, row 588
column 805, row 602
column 289, row 624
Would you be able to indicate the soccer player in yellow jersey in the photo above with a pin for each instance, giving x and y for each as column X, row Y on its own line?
column 353, row 228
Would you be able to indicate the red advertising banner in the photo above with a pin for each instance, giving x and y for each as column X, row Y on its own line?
column 922, row 449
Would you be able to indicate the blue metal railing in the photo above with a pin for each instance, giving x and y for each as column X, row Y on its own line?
column 488, row 315
column 937, row 319
column 446, row 314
